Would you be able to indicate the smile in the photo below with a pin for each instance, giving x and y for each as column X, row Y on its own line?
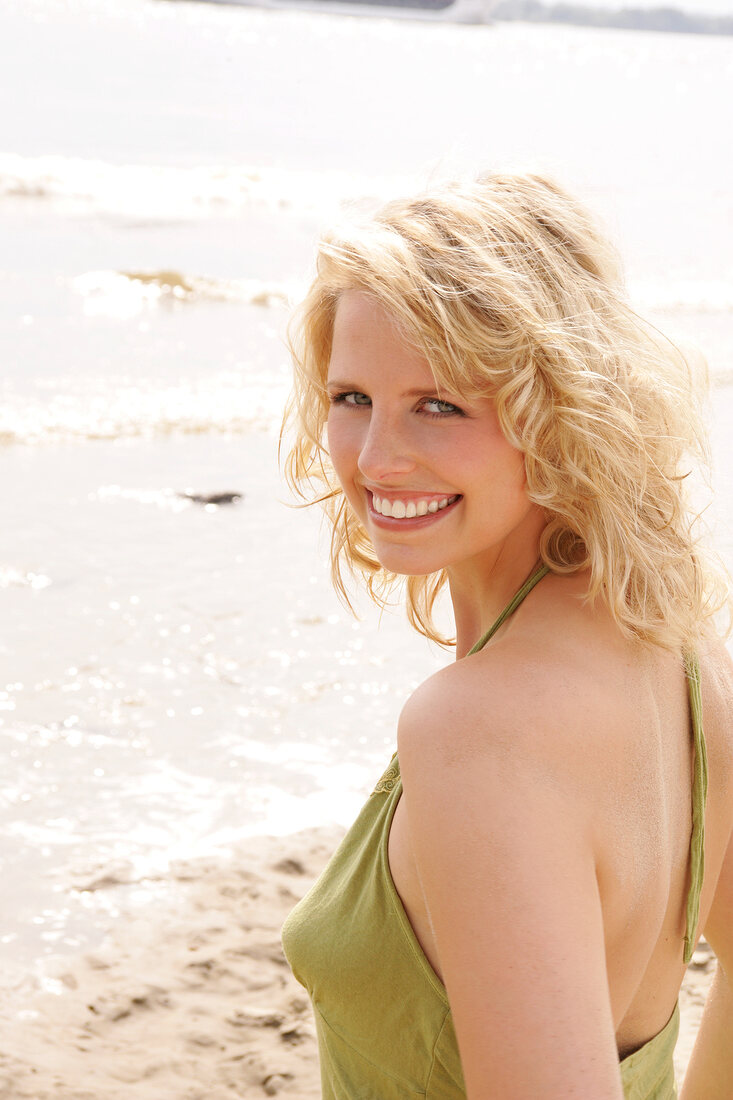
column 403, row 510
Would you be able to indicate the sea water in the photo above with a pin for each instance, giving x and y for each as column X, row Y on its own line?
column 176, row 676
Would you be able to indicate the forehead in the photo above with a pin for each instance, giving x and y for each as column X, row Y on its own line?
column 366, row 335
column 356, row 307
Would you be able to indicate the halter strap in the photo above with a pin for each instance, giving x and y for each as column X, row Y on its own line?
column 699, row 796
column 511, row 607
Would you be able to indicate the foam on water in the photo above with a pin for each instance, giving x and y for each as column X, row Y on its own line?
column 124, row 294
column 163, row 192
column 223, row 403
column 22, row 578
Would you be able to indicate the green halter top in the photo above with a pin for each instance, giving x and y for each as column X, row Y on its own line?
column 384, row 1025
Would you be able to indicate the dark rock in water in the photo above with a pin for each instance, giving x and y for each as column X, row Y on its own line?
column 211, row 498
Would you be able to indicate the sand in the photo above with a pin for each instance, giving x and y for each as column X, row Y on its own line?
column 196, row 1002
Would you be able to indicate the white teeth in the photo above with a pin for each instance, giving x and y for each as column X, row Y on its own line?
column 399, row 509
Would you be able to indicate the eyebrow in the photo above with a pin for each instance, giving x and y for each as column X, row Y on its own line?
column 420, row 391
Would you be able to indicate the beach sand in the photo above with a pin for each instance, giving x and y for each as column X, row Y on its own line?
column 196, row 1002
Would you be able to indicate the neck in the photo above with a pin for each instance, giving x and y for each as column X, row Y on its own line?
column 481, row 588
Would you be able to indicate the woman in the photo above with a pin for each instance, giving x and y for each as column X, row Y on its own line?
column 512, row 912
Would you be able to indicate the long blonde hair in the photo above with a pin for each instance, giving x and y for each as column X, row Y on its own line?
column 509, row 290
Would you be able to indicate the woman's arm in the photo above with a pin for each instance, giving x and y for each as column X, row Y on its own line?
column 499, row 822
column 710, row 1072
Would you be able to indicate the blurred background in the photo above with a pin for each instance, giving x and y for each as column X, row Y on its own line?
column 176, row 675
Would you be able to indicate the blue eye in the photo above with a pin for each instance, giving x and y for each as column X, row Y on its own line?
column 353, row 399
column 441, row 408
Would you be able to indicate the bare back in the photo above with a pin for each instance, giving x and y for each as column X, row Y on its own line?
column 632, row 765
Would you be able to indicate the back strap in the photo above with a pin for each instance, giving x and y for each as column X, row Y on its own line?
column 699, row 796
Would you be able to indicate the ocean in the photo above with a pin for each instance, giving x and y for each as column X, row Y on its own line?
column 177, row 676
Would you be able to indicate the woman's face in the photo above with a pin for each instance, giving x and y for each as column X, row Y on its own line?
column 430, row 475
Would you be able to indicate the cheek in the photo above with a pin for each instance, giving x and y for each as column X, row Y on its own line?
column 518, row 468
column 516, row 498
column 343, row 446
column 512, row 472
column 501, row 474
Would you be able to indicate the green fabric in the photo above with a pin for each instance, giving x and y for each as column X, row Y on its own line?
column 382, row 1016
column 648, row 1073
column 699, row 798
column 385, row 1030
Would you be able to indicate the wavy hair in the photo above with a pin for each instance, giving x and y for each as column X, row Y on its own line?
column 509, row 290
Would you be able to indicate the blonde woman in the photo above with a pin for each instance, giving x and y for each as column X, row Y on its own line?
column 511, row 915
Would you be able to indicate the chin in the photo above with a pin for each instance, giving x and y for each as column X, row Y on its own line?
column 407, row 565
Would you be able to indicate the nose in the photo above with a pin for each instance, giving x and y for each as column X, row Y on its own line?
column 385, row 450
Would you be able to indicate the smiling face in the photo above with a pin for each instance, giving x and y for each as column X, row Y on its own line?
column 431, row 476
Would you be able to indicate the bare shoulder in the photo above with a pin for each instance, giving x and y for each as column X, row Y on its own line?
column 561, row 693
column 503, row 727
column 478, row 695
column 520, row 704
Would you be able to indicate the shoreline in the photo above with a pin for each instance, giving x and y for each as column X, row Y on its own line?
column 199, row 1003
